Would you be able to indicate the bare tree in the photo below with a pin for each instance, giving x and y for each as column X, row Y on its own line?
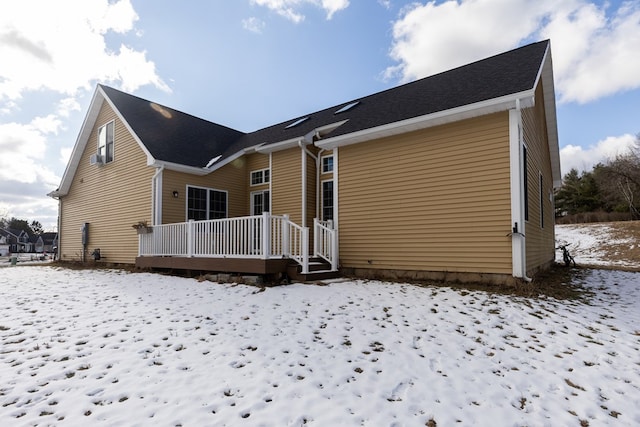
column 620, row 179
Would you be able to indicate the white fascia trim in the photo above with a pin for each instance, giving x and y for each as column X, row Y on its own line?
column 323, row 130
column 226, row 161
column 282, row 145
column 83, row 139
column 177, row 167
column 549, row 93
column 200, row 171
column 435, row 119
column 81, row 143
column 305, row 139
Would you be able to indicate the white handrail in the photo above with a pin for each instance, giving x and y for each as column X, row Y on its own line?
column 263, row 236
column 325, row 242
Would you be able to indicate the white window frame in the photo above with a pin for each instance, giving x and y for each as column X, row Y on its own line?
column 268, row 198
column 103, row 149
column 322, row 206
column 262, row 173
column 208, row 208
column 322, row 163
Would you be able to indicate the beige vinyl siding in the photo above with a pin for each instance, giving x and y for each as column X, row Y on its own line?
column 230, row 178
column 540, row 241
column 111, row 198
column 433, row 200
column 286, row 187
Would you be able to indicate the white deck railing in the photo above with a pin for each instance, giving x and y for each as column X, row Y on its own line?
column 261, row 237
column 325, row 243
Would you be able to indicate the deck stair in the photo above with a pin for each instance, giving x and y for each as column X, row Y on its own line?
column 319, row 269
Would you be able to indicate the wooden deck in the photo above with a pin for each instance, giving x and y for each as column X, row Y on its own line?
column 222, row 265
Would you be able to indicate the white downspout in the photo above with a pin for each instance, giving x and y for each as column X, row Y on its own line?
column 270, row 182
column 304, row 180
column 518, row 238
column 318, row 183
column 304, row 184
column 156, row 197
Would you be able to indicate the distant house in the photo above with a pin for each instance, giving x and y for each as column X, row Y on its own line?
column 46, row 242
column 448, row 177
column 17, row 240
column 4, row 246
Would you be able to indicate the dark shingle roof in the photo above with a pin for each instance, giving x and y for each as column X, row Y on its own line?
column 191, row 141
column 171, row 135
column 508, row 73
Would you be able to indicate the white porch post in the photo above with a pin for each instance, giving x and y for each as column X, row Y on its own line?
column 303, row 157
column 190, row 227
column 316, row 237
column 285, row 236
column 305, row 250
column 266, row 235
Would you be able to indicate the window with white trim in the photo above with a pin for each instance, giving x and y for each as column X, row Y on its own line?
column 206, row 203
column 105, row 142
column 327, row 200
column 260, row 202
column 327, row 164
column 262, row 176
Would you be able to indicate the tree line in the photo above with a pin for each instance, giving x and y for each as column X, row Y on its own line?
column 608, row 192
column 33, row 228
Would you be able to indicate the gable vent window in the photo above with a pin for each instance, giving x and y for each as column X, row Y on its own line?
column 105, row 143
column 347, row 107
column 260, row 177
column 297, row 122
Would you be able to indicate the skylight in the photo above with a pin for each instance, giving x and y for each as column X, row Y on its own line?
column 297, row 122
column 347, row 107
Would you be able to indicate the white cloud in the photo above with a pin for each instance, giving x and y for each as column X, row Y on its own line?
column 63, row 49
column 67, row 105
column 595, row 48
column 23, row 148
column 582, row 159
column 253, row 24
column 289, row 9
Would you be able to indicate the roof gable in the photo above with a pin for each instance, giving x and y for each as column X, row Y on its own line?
column 170, row 135
column 181, row 141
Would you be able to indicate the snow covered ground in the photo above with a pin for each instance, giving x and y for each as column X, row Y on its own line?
column 82, row 347
column 601, row 244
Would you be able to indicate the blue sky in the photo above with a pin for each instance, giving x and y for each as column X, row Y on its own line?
column 247, row 64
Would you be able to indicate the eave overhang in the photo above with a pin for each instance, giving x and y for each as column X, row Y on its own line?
column 438, row 118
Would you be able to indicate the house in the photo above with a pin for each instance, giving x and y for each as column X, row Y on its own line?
column 17, row 240
column 46, row 242
column 4, row 246
column 448, row 177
